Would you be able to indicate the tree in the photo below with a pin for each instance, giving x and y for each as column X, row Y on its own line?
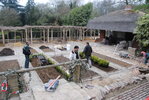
column 12, row 4
column 79, row 16
column 142, row 31
column 9, row 17
column 32, row 13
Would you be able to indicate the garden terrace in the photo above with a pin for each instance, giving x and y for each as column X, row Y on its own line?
column 45, row 33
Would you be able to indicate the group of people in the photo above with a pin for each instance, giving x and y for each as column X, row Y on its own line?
column 87, row 51
column 74, row 55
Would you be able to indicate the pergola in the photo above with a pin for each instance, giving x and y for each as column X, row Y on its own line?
column 47, row 33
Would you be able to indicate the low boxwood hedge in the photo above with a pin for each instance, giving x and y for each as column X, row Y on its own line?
column 96, row 60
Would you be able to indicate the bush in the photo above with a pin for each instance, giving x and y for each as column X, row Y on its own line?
column 82, row 55
column 96, row 60
column 99, row 61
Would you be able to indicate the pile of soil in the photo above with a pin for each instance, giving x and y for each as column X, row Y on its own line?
column 43, row 47
column 62, row 49
column 6, row 52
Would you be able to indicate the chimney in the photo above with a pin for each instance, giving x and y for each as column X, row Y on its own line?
column 128, row 7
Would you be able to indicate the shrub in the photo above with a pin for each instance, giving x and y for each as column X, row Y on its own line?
column 82, row 55
column 96, row 60
column 99, row 61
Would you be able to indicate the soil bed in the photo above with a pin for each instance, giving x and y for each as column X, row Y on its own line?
column 45, row 49
column 6, row 52
column 45, row 74
column 61, row 59
column 86, row 74
column 12, row 80
column 106, row 69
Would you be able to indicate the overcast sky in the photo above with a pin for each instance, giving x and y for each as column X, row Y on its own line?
column 23, row 2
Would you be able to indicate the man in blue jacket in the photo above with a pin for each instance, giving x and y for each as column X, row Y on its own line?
column 26, row 52
column 88, row 52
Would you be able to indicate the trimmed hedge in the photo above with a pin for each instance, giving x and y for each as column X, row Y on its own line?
column 96, row 60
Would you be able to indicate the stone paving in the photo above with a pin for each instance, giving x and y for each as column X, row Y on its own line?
column 138, row 93
column 37, row 92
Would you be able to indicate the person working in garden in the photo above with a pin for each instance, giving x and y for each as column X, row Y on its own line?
column 74, row 53
column 88, row 51
column 26, row 52
column 146, row 57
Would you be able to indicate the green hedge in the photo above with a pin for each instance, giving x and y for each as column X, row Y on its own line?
column 96, row 60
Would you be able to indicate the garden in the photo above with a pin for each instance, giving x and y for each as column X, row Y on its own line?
column 99, row 63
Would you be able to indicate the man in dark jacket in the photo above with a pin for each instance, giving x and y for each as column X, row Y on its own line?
column 26, row 52
column 88, row 52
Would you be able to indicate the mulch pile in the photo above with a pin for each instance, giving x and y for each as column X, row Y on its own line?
column 43, row 47
column 6, row 52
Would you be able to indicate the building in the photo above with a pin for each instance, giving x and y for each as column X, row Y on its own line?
column 116, row 26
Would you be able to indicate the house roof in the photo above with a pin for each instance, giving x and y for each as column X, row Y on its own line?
column 120, row 20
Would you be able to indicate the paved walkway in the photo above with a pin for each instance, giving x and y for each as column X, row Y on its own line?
column 138, row 93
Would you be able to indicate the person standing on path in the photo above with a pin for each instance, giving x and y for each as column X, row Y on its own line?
column 88, row 52
column 146, row 57
column 27, row 53
column 74, row 53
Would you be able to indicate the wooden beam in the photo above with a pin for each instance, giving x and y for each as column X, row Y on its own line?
column 69, row 34
column 44, row 37
column 26, row 35
column 48, row 35
column 51, row 35
column 8, row 37
column 15, row 36
column 31, row 36
column 3, row 36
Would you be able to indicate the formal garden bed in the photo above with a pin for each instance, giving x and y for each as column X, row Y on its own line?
column 6, row 52
column 45, row 49
column 85, row 74
column 49, row 73
column 12, row 80
column 99, row 63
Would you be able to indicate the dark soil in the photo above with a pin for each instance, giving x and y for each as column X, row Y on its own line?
column 106, row 69
column 6, row 52
column 45, row 74
column 12, row 80
column 86, row 74
column 45, row 49
column 62, row 49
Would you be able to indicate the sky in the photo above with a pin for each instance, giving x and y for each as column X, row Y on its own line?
column 23, row 2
